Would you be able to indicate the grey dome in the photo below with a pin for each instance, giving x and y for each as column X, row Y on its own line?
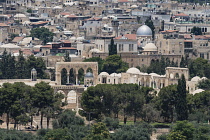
column 144, row 30
column 33, row 69
column 89, row 74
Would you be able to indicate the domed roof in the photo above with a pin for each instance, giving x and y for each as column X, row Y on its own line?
column 197, row 91
column 104, row 74
column 150, row 47
column 144, row 30
column 133, row 70
column 154, row 74
column 95, row 50
column 196, row 79
column 89, row 74
column 115, row 75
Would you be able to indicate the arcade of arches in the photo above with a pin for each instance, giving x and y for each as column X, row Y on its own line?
column 71, row 72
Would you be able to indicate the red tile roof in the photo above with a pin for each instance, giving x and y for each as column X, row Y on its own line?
column 3, row 25
column 187, row 40
column 93, row 19
column 188, row 36
column 37, row 23
column 47, row 46
column 17, row 39
column 169, row 31
column 65, row 41
column 67, row 48
column 64, row 13
column 127, row 36
column 181, row 15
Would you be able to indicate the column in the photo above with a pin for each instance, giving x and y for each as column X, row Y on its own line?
column 58, row 78
column 76, row 78
column 68, row 78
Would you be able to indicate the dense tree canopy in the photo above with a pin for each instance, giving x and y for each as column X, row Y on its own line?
column 196, row 30
column 114, row 63
column 10, row 68
column 43, row 34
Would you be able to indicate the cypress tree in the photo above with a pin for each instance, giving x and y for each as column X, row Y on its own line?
column 112, row 48
column 181, row 101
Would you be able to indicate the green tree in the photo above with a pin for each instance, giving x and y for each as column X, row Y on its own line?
column 204, row 84
column 150, row 24
column 112, row 48
column 58, row 134
column 29, row 10
column 43, row 98
column 98, row 131
column 196, row 30
column 141, row 131
column 182, row 130
column 21, row 67
column 114, row 63
column 43, row 34
column 96, row 59
column 181, row 100
column 7, row 99
column 165, row 102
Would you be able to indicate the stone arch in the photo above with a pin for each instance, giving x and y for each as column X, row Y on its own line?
column 177, row 76
column 71, row 97
column 142, row 82
column 81, row 74
column 72, row 76
column 159, row 84
column 64, row 76
column 76, row 66
column 147, row 82
column 89, row 70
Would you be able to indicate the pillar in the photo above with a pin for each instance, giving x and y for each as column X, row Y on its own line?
column 76, row 78
column 68, row 78
column 58, row 78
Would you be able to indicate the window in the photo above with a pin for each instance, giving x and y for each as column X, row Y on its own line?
column 202, row 55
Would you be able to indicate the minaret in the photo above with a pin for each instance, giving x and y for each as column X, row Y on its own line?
column 115, row 25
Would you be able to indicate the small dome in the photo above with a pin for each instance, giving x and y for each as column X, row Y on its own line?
column 196, row 79
column 144, row 30
column 134, row 6
column 133, row 70
column 33, row 69
column 104, row 74
column 89, row 74
column 150, row 47
column 154, row 74
column 94, row 50
column 115, row 75
column 197, row 91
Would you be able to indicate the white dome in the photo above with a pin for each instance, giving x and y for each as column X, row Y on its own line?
column 150, row 47
column 144, row 30
column 154, row 74
column 94, row 50
column 115, row 75
column 197, row 91
column 133, row 70
column 134, row 6
column 196, row 79
column 104, row 74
